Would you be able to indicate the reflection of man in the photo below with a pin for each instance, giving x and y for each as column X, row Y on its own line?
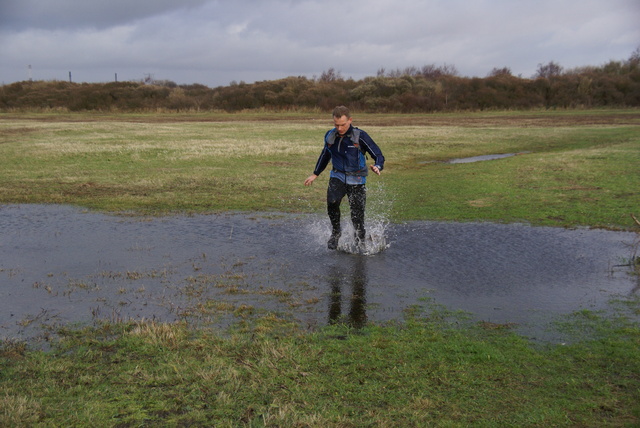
column 357, row 310
column 346, row 146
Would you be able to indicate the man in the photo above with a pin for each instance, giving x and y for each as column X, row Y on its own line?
column 346, row 146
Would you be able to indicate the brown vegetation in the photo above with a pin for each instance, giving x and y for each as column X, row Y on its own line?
column 412, row 90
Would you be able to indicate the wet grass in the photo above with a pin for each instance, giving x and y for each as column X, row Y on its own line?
column 425, row 372
column 576, row 168
column 433, row 369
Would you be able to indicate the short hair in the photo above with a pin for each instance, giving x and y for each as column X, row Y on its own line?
column 340, row 111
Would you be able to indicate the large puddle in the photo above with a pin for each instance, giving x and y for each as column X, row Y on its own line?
column 60, row 265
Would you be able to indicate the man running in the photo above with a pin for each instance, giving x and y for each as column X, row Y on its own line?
column 346, row 146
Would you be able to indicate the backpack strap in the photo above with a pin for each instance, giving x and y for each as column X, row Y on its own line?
column 355, row 137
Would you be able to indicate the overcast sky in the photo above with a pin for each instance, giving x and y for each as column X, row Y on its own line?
column 215, row 42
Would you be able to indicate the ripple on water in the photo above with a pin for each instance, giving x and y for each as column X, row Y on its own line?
column 60, row 264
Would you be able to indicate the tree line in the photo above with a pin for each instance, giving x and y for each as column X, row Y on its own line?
column 430, row 88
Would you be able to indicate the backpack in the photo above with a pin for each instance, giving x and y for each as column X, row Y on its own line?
column 355, row 138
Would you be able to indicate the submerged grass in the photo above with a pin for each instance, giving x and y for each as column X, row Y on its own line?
column 434, row 369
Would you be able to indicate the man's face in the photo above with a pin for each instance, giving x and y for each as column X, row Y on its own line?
column 342, row 124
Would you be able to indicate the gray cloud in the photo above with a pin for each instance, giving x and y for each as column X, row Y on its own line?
column 74, row 14
column 214, row 42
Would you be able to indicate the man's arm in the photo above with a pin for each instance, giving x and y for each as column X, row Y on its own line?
column 309, row 181
column 323, row 161
column 372, row 148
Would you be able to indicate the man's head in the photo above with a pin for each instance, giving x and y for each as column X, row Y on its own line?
column 341, row 119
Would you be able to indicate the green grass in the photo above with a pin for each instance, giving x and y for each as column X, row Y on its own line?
column 576, row 169
column 425, row 372
column 564, row 176
column 431, row 369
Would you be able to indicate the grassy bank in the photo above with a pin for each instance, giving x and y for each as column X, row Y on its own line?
column 573, row 168
column 424, row 373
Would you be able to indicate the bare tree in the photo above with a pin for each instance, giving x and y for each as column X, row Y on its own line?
column 331, row 75
column 634, row 59
column 547, row 71
column 504, row 71
column 432, row 71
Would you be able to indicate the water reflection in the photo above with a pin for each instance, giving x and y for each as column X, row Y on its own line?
column 348, row 275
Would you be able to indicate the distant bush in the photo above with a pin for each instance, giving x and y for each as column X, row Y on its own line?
column 427, row 89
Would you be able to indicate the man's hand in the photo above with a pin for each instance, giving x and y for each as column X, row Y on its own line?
column 310, row 180
column 375, row 169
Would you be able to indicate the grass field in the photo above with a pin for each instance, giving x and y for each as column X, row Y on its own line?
column 576, row 168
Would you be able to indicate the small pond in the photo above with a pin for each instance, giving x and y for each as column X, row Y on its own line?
column 61, row 265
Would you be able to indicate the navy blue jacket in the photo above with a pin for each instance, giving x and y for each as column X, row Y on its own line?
column 348, row 156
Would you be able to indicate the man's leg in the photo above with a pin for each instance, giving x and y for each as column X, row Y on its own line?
column 335, row 193
column 357, row 201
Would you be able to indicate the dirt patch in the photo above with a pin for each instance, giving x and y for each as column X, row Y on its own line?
column 473, row 119
column 9, row 135
column 18, row 131
column 278, row 164
column 480, row 203
column 581, row 188
column 511, row 120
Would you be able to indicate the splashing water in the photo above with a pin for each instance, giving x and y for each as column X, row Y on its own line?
column 374, row 242
column 379, row 204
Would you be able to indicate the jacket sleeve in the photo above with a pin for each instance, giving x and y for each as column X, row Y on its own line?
column 324, row 158
column 372, row 148
column 323, row 161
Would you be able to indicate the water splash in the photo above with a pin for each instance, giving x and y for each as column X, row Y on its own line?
column 379, row 204
column 374, row 242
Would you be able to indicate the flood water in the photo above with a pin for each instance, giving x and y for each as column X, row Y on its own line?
column 484, row 158
column 61, row 265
